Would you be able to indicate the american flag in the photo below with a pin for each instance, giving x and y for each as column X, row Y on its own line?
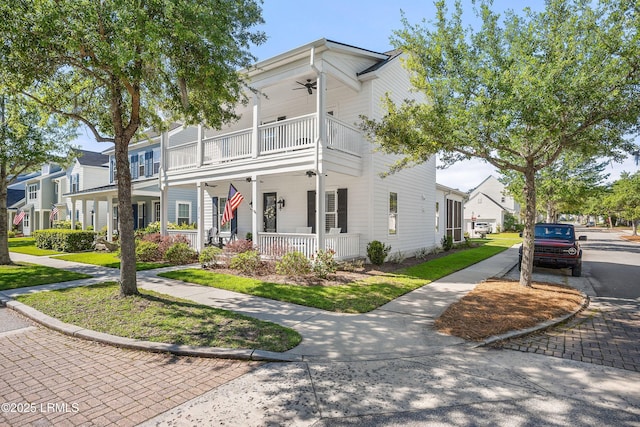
column 18, row 219
column 53, row 214
column 233, row 201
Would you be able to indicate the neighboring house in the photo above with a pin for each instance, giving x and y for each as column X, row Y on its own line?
column 16, row 199
column 40, row 193
column 309, row 178
column 89, row 169
column 449, row 213
column 489, row 202
column 144, row 164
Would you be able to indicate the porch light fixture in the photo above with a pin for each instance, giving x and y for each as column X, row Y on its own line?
column 281, row 203
column 310, row 174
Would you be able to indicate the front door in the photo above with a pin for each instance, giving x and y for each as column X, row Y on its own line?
column 269, row 213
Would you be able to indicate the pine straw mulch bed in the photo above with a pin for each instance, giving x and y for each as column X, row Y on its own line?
column 632, row 238
column 498, row 306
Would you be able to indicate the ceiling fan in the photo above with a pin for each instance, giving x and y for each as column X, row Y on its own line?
column 309, row 85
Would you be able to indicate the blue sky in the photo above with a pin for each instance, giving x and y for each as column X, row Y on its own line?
column 366, row 24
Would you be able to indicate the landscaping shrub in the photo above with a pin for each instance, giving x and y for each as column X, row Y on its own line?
column 323, row 263
column 246, row 262
column 397, row 257
column 446, row 242
column 239, row 246
column 147, row 251
column 377, row 252
column 11, row 234
column 352, row 265
column 210, row 256
column 293, row 264
column 164, row 242
column 64, row 240
column 180, row 253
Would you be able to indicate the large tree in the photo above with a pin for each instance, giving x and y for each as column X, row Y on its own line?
column 121, row 66
column 518, row 93
column 624, row 199
column 29, row 137
column 561, row 187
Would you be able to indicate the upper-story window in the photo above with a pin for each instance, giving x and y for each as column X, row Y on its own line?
column 33, row 191
column 56, row 190
column 112, row 167
column 156, row 161
column 133, row 166
column 74, row 183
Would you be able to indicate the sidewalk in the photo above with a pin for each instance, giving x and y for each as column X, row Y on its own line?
column 399, row 328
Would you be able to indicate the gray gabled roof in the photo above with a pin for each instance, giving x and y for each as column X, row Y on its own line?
column 91, row 158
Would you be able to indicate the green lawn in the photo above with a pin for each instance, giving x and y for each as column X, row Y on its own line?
column 23, row 275
column 27, row 245
column 107, row 259
column 160, row 318
column 356, row 297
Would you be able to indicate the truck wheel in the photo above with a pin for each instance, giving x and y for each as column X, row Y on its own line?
column 577, row 270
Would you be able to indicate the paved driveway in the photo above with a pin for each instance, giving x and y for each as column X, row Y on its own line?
column 50, row 379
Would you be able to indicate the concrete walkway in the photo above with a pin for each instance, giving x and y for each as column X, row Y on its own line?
column 388, row 367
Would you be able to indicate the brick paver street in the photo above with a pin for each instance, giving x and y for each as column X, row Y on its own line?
column 58, row 380
column 606, row 333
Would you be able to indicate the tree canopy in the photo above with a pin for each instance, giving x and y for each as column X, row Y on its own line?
column 624, row 198
column 29, row 137
column 518, row 92
column 119, row 67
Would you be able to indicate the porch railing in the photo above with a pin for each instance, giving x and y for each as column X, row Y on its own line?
column 277, row 244
column 231, row 146
column 343, row 137
column 190, row 235
column 297, row 133
column 290, row 134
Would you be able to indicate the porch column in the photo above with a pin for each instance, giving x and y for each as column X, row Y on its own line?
column 83, row 203
column 255, row 189
column 200, row 216
column 200, row 147
column 255, row 135
column 109, row 218
column 96, row 215
column 164, row 209
column 73, row 213
column 320, row 185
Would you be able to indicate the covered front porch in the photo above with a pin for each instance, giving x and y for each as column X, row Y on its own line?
column 279, row 213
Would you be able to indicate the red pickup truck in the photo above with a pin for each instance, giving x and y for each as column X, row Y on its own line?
column 556, row 246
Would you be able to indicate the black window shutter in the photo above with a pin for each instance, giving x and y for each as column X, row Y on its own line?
column 311, row 210
column 342, row 209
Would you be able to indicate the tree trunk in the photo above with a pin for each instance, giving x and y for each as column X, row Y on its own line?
column 5, row 259
column 526, row 266
column 128, row 284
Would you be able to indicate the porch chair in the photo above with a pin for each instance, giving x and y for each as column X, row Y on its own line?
column 335, row 230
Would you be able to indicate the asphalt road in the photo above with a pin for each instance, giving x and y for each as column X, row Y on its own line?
column 611, row 264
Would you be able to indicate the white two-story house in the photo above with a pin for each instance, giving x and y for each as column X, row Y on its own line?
column 309, row 178
column 41, row 192
column 489, row 202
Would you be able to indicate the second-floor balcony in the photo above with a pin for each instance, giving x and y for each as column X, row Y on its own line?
column 295, row 134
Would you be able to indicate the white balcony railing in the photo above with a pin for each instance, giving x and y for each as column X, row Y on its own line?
column 231, row 146
column 290, row 134
column 298, row 133
column 190, row 235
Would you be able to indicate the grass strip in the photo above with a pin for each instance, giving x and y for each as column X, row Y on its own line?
column 23, row 275
column 155, row 317
column 27, row 245
column 356, row 297
column 107, row 259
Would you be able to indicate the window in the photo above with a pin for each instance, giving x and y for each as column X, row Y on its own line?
column 155, row 158
column 437, row 216
column 503, row 199
column 56, row 190
column 393, row 213
column 114, row 177
column 115, row 218
column 331, row 210
column 33, row 191
column 183, row 212
column 133, row 166
column 156, row 211
column 227, row 227
column 141, row 162
column 74, row 183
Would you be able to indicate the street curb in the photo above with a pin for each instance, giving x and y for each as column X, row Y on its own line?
column 539, row 327
column 154, row 347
